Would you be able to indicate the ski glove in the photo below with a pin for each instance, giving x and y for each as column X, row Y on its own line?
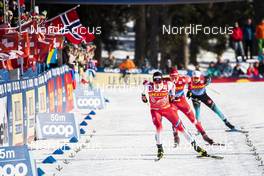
column 189, row 94
column 144, row 98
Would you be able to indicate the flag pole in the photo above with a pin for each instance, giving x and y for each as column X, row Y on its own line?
column 5, row 17
column 19, row 23
column 32, row 6
column 64, row 12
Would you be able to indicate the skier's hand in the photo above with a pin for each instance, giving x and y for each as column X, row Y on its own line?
column 171, row 98
column 145, row 82
column 189, row 94
column 144, row 98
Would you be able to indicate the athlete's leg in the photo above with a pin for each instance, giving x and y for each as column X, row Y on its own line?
column 210, row 103
column 191, row 140
column 156, row 119
column 183, row 106
column 197, row 105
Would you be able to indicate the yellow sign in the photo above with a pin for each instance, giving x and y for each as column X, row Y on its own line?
column 17, row 118
column 30, row 95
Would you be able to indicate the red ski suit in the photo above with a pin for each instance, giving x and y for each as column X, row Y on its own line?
column 181, row 103
column 160, row 105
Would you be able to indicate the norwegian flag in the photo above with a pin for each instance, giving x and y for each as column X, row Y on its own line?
column 9, row 42
column 70, row 25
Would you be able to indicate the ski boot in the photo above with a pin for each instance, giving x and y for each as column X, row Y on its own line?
column 229, row 125
column 176, row 138
column 207, row 139
column 199, row 150
column 160, row 151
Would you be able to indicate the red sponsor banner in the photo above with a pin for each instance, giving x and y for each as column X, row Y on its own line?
column 69, row 91
column 59, row 93
column 51, row 95
column 232, row 80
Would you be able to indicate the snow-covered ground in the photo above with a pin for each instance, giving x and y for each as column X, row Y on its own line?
column 123, row 141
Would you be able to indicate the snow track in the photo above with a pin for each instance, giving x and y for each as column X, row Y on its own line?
column 124, row 144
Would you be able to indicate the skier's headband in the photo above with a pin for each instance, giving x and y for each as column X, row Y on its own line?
column 174, row 74
column 157, row 79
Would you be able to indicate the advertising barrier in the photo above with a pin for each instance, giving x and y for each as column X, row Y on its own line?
column 3, row 116
column 29, row 102
column 68, row 82
column 104, row 80
column 15, row 113
column 56, row 125
column 41, row 99
column 16, row 161
column 86, row 98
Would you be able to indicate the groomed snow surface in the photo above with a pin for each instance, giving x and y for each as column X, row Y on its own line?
column 123, row 141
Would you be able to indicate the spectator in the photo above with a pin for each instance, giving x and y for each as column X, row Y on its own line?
column 251, row 71
column 219, row 64
column 260, row 36
column 237, row 37
column 261, row 68
column 146, row 66
column 256, row 70
column 227, row 72
column 197, row 67
column 181, row 67
column 1, row 17
column 125, row 66
column 212, row 71
column 72, row 58
column 261, row 56
column 237, row 71
column 168, row 65
column 110, row 62
column 249, row 32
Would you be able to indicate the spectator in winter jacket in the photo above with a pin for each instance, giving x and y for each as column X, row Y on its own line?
column 212, row 71
column 261, row 68
column 261, row 56
column 227, row 72
column 249, row 33
column 125, row 66
column 237, row 71
column 260, row 36
column 253, row 71
column 237, row 37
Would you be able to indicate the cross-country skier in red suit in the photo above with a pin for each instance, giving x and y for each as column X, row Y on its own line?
column 180, row 81
column 160, row 93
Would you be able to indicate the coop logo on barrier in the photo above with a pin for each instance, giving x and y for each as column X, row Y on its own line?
column 15, row 161
column 56, row 125
column 88, row 99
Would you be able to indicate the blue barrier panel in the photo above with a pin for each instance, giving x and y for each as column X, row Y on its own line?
column 86, row 98
column 56, row 125
column 16, row 160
